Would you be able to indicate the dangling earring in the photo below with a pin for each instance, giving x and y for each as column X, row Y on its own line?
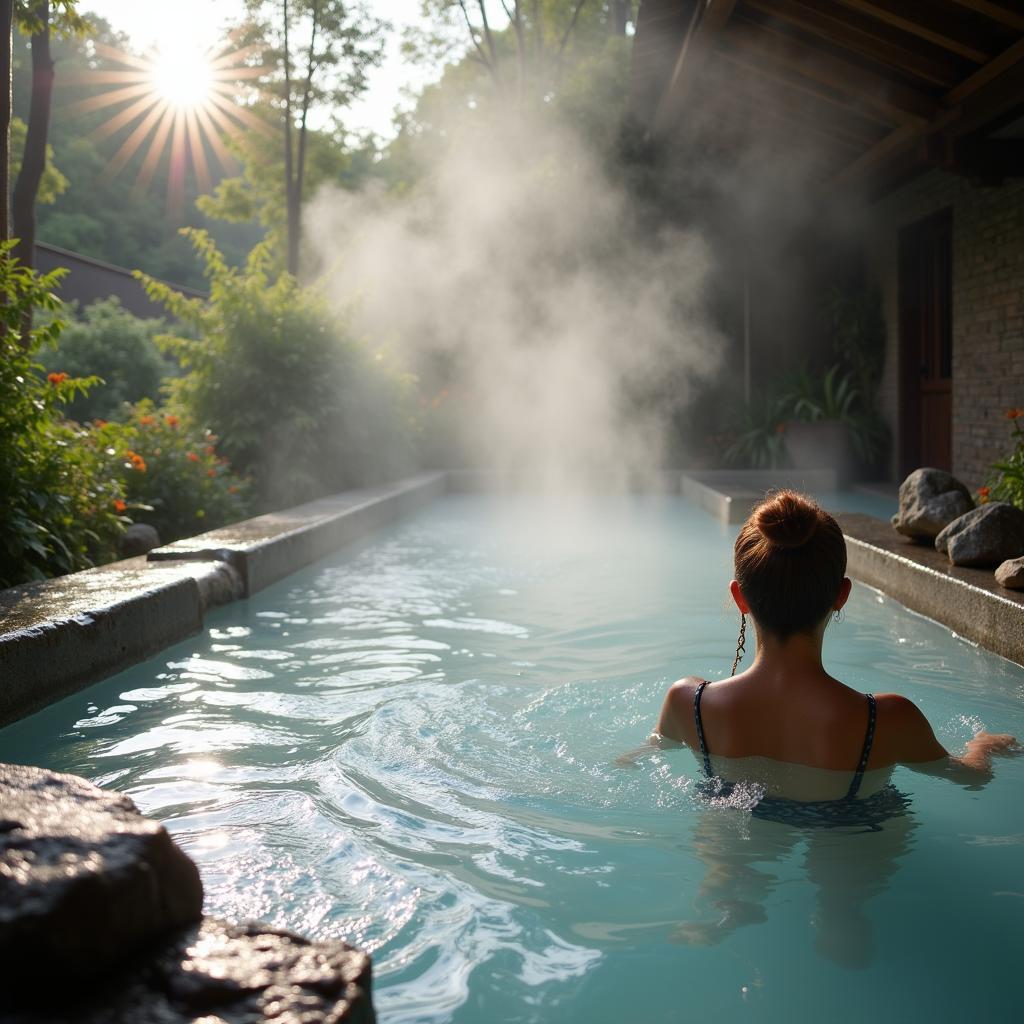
column 741, row 641
column 837, row 616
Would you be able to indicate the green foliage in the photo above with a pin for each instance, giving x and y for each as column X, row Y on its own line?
column 58, row 512
column 174, row 479
column 1007, row 482
column 115, row 346
column 857, row 329
column 760, row 440
column 300, row 406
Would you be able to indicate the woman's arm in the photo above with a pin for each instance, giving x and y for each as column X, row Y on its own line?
column 919, row 750
column 669, row 731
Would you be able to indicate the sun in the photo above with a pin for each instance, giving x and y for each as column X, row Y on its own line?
column 180, row 100
column 183, row 76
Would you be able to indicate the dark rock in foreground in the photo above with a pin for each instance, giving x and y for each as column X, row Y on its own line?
column 100, row 923
column 985, row 537
column 85, row 879
column 221, row 973
column 930, row 499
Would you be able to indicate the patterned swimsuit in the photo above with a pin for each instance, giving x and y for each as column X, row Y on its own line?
column 866, row 814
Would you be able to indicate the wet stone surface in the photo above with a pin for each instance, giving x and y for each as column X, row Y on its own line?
column 220, row 973
column 85, row 879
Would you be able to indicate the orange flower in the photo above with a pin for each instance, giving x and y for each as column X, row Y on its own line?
column 137, row 461
column 146, row 421
column 56, row 378
column 99, row 423
column 171, row 421
column 192, row 457
column 232, row 489
column 119, row 505
column 983, row 493
column 211, row 472
column 1011, row 414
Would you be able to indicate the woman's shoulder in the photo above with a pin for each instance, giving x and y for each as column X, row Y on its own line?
column 903, row 733
column 676, row 720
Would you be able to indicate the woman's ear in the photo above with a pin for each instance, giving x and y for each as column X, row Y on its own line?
column 844, row 593
column 741, row 601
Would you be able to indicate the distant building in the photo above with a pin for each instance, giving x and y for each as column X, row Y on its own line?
column 89, row 279
column 906, row 118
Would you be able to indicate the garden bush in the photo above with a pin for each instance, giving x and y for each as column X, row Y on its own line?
column 109, row 342
column 300, row 406
column 173, row 477
column 60, row 491
column 1007, row 483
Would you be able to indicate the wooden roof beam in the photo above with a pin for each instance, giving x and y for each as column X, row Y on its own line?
column 696, row 47
column 813, row 20
column 947, row 40
column 894, row 101
column 997, row 12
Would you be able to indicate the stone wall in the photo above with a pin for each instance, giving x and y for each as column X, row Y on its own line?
column 988, row 308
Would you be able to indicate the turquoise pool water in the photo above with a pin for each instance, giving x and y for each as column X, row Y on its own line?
column 411, row 745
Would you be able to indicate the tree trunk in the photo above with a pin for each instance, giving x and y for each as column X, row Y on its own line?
column 621, row 12
column 33, row 162
column 6, row 33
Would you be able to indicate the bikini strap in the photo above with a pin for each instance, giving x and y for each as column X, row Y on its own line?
column 869, row 738
column 700, row 729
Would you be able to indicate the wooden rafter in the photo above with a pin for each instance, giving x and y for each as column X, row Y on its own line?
column 947, row 40
column 815, row 21
column 997, row 12
column 694, row 53
column 891, row 99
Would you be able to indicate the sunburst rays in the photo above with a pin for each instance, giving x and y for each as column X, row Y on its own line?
column 179, row 103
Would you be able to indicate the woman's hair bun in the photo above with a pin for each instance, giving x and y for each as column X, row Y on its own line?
column 787, row 519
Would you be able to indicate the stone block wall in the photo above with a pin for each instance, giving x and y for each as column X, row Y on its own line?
column 988, row 308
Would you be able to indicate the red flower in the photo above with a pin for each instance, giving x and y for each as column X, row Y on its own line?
column 1011, row 414
column 192, row 457
column 56, row 378
column 211, row 472
column 983, row 493
column 119, row 505
column 210, row 450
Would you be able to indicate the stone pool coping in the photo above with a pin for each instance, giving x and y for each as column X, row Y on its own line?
column 967, row 601
column 730, row 494
column 61, row 635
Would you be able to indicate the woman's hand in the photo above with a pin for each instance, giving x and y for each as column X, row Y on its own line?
column 980, row 749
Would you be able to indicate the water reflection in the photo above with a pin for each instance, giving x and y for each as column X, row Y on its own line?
column 742, row 856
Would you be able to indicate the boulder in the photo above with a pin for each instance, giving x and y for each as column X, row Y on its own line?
column 139, row 539
column 984, row 537
column 930, row 499
column 228, row 974
column 85, row 879
column 1010, row 574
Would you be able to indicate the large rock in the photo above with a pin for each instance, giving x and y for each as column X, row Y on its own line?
column 1010, row 574
column 984, row 537
column 219, row 973
column 85, row 879
column 930, row 499
column 139, row 539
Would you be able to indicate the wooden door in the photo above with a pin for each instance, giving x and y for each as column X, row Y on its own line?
column 926, row 344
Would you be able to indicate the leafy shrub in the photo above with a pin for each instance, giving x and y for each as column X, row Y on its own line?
column 1007, row 484
column 116, row 346
column 59, row 506
column 173, row 477
column 300, row 406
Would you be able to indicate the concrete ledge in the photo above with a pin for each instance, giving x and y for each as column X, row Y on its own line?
column 62, row 634
column 268, row 548
column 730, row 494
column 968, row 601
column 59, row 636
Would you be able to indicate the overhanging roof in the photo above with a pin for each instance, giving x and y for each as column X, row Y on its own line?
column 876, row 89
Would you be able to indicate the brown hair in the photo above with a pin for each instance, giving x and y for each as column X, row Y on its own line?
column 790, row 560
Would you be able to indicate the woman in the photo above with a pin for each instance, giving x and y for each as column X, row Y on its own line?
column 785, row 723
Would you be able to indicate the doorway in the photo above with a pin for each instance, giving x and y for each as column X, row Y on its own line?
column 926, row 343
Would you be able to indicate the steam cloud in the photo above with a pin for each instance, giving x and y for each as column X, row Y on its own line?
column 567, row 335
